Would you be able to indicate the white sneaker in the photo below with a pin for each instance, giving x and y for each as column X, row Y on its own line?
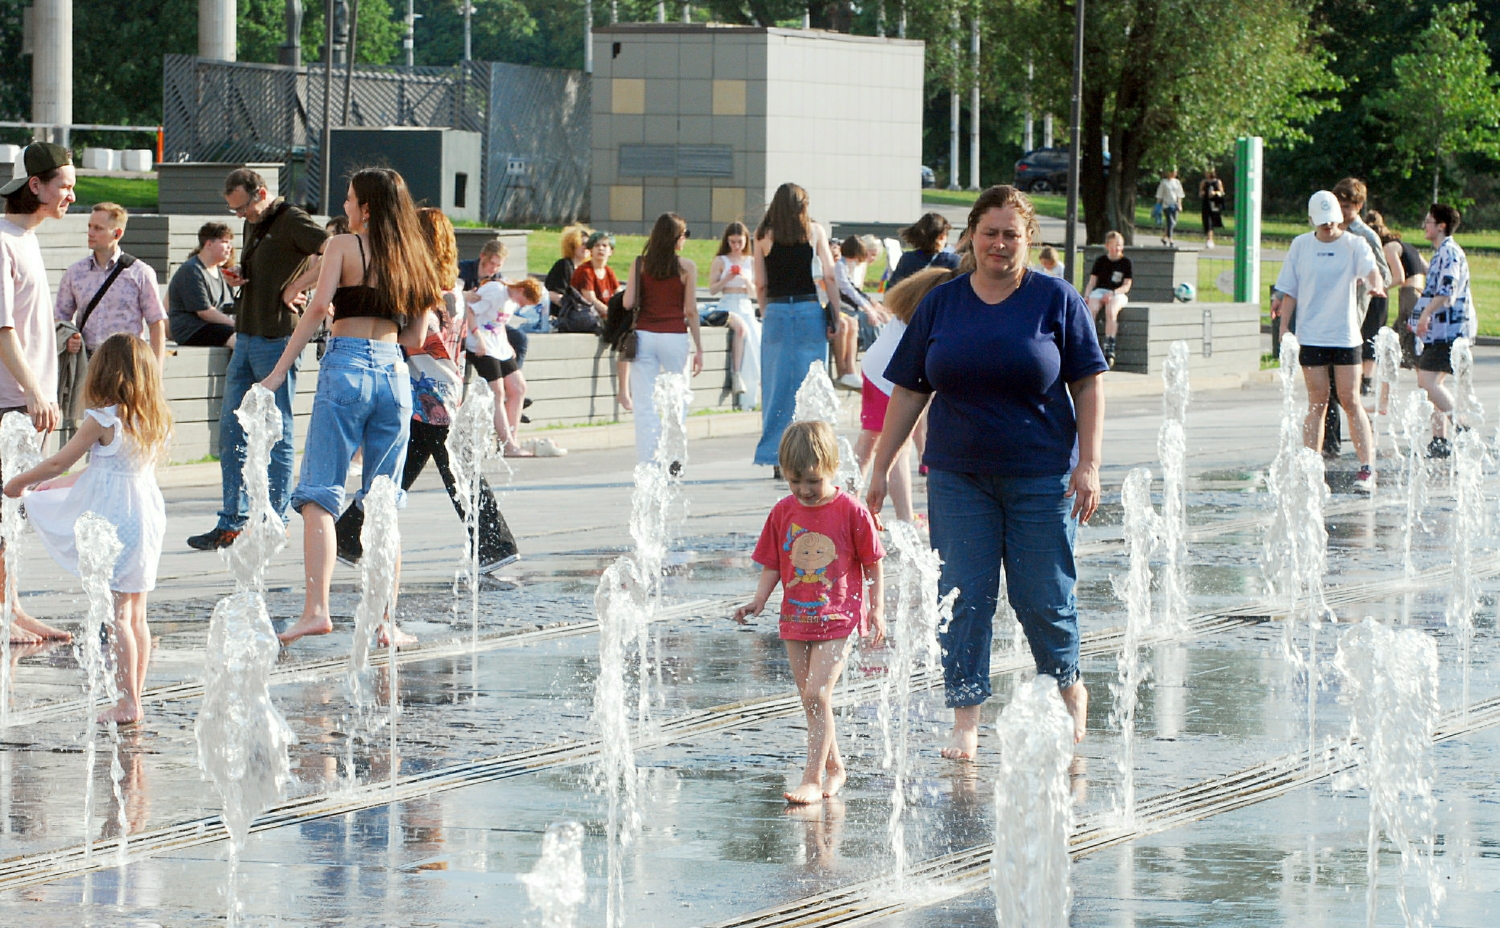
column 850, row 382
column 545, row 448
column 1364, row 481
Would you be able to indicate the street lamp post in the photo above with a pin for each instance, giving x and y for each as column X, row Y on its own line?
column 468, row 31
column 1073, row 149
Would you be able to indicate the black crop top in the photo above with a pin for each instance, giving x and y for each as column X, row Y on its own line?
column 361, row 301
column 789, row 270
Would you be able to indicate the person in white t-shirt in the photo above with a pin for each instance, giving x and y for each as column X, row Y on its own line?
column 1319, row 281
column 42, row 189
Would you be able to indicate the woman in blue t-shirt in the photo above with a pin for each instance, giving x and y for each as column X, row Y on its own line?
column 1011, row 365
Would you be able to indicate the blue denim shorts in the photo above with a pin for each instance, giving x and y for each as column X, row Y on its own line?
column 363, row 401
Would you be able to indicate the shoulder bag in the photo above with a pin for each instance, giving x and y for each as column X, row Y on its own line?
column 619, row 326
column 124, row 261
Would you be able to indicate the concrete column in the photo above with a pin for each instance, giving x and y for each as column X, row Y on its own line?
column 216, row 30
column 52, row 66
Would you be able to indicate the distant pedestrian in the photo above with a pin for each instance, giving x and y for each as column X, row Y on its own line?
column 200, row 301
column 279, row 238
column 42, row 189
column 928, row 238
column 473, row 274
column 1444, row 313
column 731, row 277
column 596, row 280
column 1169, row 194
column 1108, row 290
column 110, row 291
column 1047, row 263
column 1211, row 204
column 1403, row 257
column 1319, row 280
column 1352, row 194
column 796, row 329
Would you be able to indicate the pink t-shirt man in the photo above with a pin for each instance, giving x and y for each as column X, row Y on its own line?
column 822, row 553
column 26, row 306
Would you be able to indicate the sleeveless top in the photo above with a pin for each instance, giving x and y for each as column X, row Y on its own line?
column 789, row 270
column 1411, row 260
column 361, row 301
column 660, row 304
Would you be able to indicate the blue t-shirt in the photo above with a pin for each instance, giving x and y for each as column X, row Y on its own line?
column 1000, row 373
column 913, row 261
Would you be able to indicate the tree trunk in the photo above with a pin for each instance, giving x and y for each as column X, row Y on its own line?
column 1132, row 110
column 1093, row 194
column 1437, row 172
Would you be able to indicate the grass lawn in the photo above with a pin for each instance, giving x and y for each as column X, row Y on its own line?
column 542, row 252
column 129, row 192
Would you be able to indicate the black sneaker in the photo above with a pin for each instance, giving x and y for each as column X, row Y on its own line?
column 1439, row 448
column 775, row 471
column 1109, row 352
column 675, row 469
column 214, row 540
column 1366, row 386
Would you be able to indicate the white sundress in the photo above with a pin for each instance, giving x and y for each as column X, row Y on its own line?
column 743, row 305
column 120, row 485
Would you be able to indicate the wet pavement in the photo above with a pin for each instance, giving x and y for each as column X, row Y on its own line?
column 495, row 745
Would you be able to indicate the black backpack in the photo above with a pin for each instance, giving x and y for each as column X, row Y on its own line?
column 575, row 314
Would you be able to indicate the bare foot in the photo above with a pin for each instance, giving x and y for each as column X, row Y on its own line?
column 963, row 745
column 123, row 713
column 1076, row 698
column 513, row 450
column 402, row 638
column 804, row 794
column 19, row 635
column 307, row 625
column 834, row 781
column 39, row 628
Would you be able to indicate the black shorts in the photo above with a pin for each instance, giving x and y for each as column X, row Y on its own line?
column 1436, row 357
column 493, row 369
column 212, row 335
column 1375, row 318
column 1317, row 356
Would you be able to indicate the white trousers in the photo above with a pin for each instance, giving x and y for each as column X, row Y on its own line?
column 655, row 353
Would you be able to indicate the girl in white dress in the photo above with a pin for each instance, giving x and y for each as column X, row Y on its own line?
column 125, row 429
column 731, row 277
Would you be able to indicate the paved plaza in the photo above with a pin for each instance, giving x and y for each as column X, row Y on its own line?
column 496, row 743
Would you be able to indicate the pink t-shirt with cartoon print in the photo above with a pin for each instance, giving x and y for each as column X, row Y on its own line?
column 822, row 553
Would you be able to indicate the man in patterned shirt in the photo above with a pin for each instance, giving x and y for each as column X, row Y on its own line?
column 132, row 304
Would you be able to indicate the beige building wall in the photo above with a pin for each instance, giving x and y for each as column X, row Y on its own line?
column 688, row 119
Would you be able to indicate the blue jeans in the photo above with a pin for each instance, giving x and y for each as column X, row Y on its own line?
column 252, row 361
column 979, row 522
column 363, row 401
column 793, row 336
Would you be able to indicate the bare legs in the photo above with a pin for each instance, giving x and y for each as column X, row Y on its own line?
column 318, row 556
column 25, row 628
column 845, row 345
column 963, row 744
column 1110, row 306
column 1076, row 698
column 515, row 399
column 131, row 639
column 1347, row 376
column 816, row 666
column 1436, row 385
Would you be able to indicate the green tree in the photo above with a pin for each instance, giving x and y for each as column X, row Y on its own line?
column 261, row 29
column 1445, row 100
column 1170, row 83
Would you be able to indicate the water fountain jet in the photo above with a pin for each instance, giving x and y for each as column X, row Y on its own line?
column 1171, row 448
column 557, row 883
column 20, row 451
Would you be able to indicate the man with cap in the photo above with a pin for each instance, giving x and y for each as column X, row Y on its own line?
column 1320, row 280
column 41, row 189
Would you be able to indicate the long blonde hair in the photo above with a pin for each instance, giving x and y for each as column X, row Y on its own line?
column 123, row 373
column 902, row 300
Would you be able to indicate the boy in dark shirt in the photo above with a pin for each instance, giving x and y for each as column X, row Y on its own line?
column 1109, row 283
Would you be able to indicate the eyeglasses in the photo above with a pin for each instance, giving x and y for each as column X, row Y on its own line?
column 249, row 202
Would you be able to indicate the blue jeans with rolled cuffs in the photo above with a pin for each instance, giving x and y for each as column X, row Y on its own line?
column 793, row 336
column 252, row 361
column 363, row 401
column 979, row 523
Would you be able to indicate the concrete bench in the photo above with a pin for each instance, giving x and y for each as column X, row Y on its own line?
column 1223, row 338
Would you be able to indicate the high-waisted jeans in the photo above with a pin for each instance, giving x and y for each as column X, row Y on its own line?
column 979, row 523
column 363, row 401
column 793, row 337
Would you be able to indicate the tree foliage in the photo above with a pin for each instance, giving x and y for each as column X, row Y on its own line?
column 261, row 28
column 1445, row 100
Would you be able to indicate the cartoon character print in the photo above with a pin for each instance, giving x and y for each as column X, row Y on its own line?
column 807, row 591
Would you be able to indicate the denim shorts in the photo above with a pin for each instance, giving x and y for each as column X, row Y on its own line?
column 363, row 401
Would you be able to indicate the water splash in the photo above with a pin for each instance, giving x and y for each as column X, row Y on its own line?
column 242, row 737
column 917, row 614
column 1171, row 448
column 1416, row 425
column 1390, row 685
column 1387, row 378
column 20, row 451
column 1468, row 412
column 1143, row 531
column 471, row 445
column 98, row 549
column 1469, row 460
column 557, row 884
column 1033, row 809
column 818, row 401
column 381, row 539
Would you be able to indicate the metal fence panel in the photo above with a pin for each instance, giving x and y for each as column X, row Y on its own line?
column 539, row 117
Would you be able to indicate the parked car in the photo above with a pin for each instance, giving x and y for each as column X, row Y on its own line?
column 929, row 179
column 1045, row 170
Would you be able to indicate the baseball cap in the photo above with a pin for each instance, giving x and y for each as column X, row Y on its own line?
column 37, row 158
column 1323, row 208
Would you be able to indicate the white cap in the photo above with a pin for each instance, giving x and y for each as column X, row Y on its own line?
column 1323, row 208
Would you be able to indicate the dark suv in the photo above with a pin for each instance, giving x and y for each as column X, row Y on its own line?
column 1045, row 170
